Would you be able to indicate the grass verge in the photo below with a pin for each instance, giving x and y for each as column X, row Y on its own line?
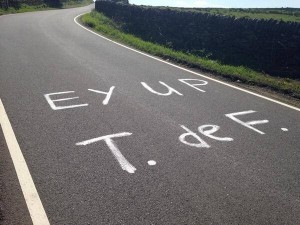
column 28, row 8
column 24, row 8
column 98, row 22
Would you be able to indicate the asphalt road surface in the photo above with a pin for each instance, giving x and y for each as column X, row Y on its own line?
column 145, row 142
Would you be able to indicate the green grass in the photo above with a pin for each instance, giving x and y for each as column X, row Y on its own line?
column 284, row 14
column 106, row 26
column 24, row 8
column 27, row 8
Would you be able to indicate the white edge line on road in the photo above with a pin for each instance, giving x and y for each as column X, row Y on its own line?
column 187, row 70
column 33, row 201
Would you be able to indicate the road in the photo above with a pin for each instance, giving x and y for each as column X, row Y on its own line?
column 111, row 136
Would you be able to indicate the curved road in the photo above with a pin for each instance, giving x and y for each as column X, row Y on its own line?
column 181, row 151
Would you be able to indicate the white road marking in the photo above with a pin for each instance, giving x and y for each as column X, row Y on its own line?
column 249, row 123
column 108, row 94
column 284, row 129
column 208, row 132
column 187, row 70
column 125, row 165
column 182, row 138
column 33, row 201
column 151, row 163
column 63, row 99
column 194, row 85
column 54, row 107
column 171, row 90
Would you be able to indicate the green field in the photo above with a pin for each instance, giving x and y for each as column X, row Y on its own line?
column 284, row 14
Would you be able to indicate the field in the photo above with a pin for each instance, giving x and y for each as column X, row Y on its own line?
column 284, row 14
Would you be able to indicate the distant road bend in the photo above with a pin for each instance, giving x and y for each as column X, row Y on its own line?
column 95, row 133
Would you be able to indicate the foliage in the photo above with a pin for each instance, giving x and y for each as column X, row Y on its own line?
column 23, row 8
column 280, row 14
column 19, row 6
column 110, row 28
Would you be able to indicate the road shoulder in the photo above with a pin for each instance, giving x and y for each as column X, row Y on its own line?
column 12, row 203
